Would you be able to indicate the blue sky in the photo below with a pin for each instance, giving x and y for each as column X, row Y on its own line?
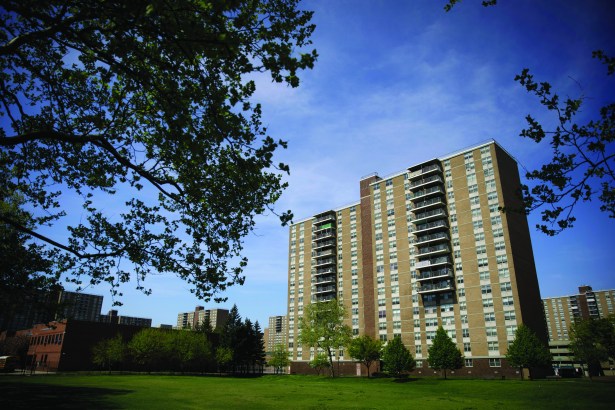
column 400, row 82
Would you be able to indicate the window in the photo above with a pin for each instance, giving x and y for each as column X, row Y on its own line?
column 382, row 314
column 476, row 213
column 390, row 212
column 482, row 262
column 485, row 289
column 418, row 349
column 483, row 275
column 461, row 292
column 491, row 331
column 505, row 286
column 473, row 189
column 389, row 182
column 467, row 347
column 509, row 315
column 495, row 363
column 480, row 249
column 465, row 332
column 459, row 279
column 501, row 259
column 490, row 317
column 468, row 363
column 508, row 301
column 492, row 346
column 477, row 224
column 488, row 303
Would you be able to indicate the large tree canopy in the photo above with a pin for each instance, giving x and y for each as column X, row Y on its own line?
column 151, row 101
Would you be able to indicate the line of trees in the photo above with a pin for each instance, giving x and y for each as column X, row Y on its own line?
column 236, row 347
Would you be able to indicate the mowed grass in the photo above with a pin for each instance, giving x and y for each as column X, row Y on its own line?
column 296, row 392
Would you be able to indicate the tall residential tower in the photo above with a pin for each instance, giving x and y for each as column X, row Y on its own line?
column 424, row 247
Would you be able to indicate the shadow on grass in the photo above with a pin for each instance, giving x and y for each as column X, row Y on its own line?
column 405, row 380
column 39, row 395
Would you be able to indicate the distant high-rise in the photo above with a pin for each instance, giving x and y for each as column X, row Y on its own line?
column 216, row 317
column 276, row 333
column 115, row 318
column 424, row 247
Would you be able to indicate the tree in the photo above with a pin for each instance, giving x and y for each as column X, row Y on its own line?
column 397, row 358
column 279, row 358
column 366, row 350
column 527, row 351
column 322, row 327
column 443, row 353
column 320, row 362
column 109, row 352
column 187, row 350
column 583, row 164
column 224, row 356
column 148, row 348
column 590, row 340
column 152, row 102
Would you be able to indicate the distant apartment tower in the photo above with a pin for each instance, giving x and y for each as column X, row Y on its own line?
column 424, row 247
column 79, row 306
column 276, row 333
column 216, row 317
column 115, row 318
column 561, row 312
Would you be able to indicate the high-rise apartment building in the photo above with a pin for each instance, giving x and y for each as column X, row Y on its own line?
column 115, row 318
column 276, row 333
column 561, row 312
column 424, row 247
column 216, row 318
column 79, row 306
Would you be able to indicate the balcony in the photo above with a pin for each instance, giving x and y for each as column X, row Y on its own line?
column 324, row 261
column 325, row 271
column 442, row 260
column 328, row 233
column 427, row 192
column 325, row 289
column 325, row 279
column 440, row 236
column 425, row 170
column 435, row 274
column 429, row 203
column 322, row 227
column 431, row 225
column 425, row 181
column 328, row 217
column 323, row 297
column 326, row 252
column 432, row 250
column 442, row 286
column 429, row 215
column 323, row 244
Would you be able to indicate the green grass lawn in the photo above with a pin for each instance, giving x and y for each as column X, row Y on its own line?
column 296, row 392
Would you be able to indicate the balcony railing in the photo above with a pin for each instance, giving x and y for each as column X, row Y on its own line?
column 323, row 244
column 428, row 180
column 429, row 202
column 324, row 253
column 324, row 226
column 324, row 218
column 433, row 249
column 432, row 237
column 432, row 262
column 436, row 287
column 428, row 191
column 324, row 234
column 325, row 289
column 325, row 279
column 429, row 214
column 324, row 271
column 324, row 261
column 323, row 298
column 431, row 225
column 433, row 274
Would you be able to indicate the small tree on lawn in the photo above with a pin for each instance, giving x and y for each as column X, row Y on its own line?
column 588, row 345
column 279, row 358
column 365, row 350
column 397, row 358
column 320, row 362
column 322, row 327
column 527, row 350
column 444, row 354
